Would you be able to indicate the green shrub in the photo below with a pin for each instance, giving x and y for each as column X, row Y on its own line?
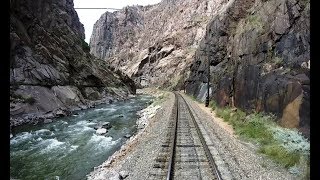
column 278, row 61
column 285, row 146
column 255, row 130
column 29, row 100
column 281, row 155
column 212, row 104
column 17, row 96
column 219, row 112
column 85, row 46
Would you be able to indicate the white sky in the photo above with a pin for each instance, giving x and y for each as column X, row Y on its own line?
column 89, row 16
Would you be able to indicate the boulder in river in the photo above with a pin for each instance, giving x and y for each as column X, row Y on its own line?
column 97, row 127
column 60, row 113
column 101, row 131
column 127, row 136
column 106, row 125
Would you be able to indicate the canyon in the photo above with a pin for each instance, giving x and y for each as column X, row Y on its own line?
column 257, row 51
column 51, row 70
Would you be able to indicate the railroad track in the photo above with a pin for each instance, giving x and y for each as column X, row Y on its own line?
column 184, row 154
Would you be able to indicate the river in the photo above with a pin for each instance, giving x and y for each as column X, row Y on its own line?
column 69, row 148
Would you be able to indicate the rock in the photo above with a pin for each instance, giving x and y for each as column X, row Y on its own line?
column 101, row 131
column 83, row 107
column 304, row 79
column 60, row 113
column 11, row 136
column 106, row 125
column 156, row 49
column 127, row 136
column 123, row 174
column 47, row 121
column 113, row 176
column 97, row 127
column 92, row 93
column 51, row 64
column 271, row 42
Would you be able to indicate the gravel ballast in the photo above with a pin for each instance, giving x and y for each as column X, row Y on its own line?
column 136, row 157
column 236, row 159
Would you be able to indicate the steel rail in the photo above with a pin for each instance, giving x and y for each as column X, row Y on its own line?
column 173, row 143
column 204, row 144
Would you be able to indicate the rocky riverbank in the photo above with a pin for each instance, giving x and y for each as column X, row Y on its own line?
column 43, row 117
column 147, row 123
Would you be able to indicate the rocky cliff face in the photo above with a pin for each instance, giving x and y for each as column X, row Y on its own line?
column 258, row 51
column 155, row 44
column 51, row 69
column 259, row 55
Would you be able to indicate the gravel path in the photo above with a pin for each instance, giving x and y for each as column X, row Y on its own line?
column 236, row 159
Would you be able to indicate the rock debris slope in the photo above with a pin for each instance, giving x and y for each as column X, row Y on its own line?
column 154, row 44
column 51, row 69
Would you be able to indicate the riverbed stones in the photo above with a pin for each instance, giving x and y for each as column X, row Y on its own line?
column 101, row 131
column 46, row 121
column 60, row 113
column 105, row 125
column 127, row 136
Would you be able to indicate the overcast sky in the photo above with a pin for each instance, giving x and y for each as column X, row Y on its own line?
column 89, row 16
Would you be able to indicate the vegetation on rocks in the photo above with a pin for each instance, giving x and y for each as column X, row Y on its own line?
column 160, row 98
column 285, row 146
column 85, row 46
column 30, row 100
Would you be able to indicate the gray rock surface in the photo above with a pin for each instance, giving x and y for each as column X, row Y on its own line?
column 101, row 131
column 259, row 55
column 259, row 51
column 154, row 44
column 50, row 64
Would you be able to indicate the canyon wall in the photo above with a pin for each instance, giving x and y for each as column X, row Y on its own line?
column 259, row 55
column 51, row 69
column 154, row 44
column 258, row 51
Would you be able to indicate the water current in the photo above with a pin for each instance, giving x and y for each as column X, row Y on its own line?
column 69, row 148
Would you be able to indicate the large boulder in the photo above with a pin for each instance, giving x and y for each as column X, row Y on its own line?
column 101, row 131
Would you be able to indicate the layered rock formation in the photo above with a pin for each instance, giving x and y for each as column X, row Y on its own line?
column 258, row 51
column 154, row 44
column 259, row 55
column 51, row 69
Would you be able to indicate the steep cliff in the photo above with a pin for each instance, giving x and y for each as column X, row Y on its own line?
column 258, row 51
column 51, row 69
column 259, row 56
column 154, row 44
